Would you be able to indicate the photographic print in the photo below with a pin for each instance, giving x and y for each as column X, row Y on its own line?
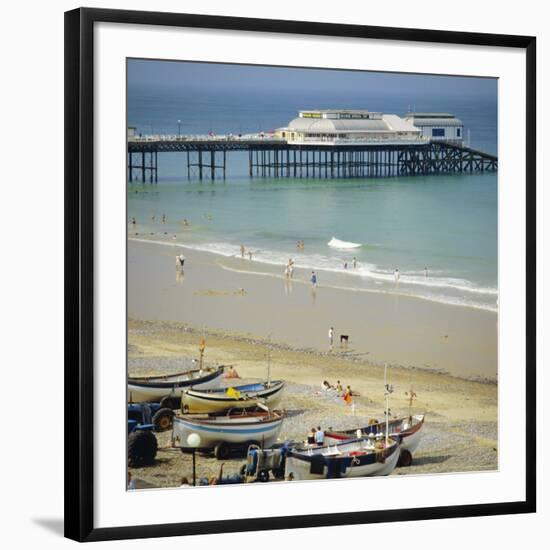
column 312, row 274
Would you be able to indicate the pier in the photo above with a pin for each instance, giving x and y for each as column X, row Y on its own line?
column 206, row 158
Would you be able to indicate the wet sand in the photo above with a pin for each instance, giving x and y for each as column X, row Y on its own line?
column 460, row 433
column 400, row 330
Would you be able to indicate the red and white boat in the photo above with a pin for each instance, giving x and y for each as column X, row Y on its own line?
column 407, row 430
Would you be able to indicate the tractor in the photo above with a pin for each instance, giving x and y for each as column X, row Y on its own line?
column 143, row 419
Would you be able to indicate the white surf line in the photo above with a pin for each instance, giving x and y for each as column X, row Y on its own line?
column 305, row 282
column 386, row 277
column 368, row 290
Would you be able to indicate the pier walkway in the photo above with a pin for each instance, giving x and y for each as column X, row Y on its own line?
column 269, row 156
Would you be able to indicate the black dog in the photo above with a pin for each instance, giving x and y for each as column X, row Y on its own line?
column 344, row 338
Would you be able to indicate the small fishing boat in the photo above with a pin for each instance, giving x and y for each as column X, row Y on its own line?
column 225, row 432
column 352, row 458
column 246, row 396
column 407, row 430
column 154, row 388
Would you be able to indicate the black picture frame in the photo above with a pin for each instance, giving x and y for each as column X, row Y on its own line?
column 79, row 270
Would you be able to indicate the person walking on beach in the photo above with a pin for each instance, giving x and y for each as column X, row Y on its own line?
column 396, row 275
column 348, row 396
column 319, row 437
column 242, row 250
column 313, row 279
column 331, row 337
column 250, row 255
column 345, row 265
column 180, row 260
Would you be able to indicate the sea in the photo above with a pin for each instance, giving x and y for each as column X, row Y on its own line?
column 438, row 231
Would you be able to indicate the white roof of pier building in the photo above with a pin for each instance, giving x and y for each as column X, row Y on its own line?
column 434, row 119
column 348, row 121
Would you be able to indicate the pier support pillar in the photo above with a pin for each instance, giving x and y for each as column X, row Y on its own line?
column 143, row 167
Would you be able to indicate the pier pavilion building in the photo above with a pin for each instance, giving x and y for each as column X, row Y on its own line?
column 349, row 127
column 438, row 126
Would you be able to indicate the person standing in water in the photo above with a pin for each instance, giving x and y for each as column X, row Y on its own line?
column 164, row 218
column 290, row 268
column 250, row 255
column 313, row 279
column 354, row 262
column 242, row 250
column 396, row 275
column 426, row 272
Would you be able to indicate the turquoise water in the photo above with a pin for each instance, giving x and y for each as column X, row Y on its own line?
column 445, row 223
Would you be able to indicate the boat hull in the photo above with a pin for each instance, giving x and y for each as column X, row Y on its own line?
column 408, row 433
column 193, row 401
column 299, row 465
column 154, row 389
column 230, row 430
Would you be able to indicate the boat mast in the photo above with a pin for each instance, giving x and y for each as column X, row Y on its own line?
column 387, row 390
column 412, row 395
column 202, row 347
column 269, row 363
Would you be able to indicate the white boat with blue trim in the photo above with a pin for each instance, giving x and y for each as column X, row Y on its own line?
column 354, row 458
column 154, row 388
column 235, row 428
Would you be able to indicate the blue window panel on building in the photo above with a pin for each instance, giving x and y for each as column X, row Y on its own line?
column 438, row 132
column 458, row 132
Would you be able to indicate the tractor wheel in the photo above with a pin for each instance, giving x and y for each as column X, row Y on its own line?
column 170, row 402
column 163, row 419
column 242, row 471
column 263, row 476
column 142, row 448
column 222, row 451
column 405, row 459
column 278, row 473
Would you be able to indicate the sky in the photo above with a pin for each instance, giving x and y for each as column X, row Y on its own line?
column 166, row 75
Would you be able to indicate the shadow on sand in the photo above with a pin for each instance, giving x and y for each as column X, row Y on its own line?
column 424, row 460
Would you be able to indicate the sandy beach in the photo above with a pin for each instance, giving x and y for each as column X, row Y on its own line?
column 382, row 327
column 461, row 415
